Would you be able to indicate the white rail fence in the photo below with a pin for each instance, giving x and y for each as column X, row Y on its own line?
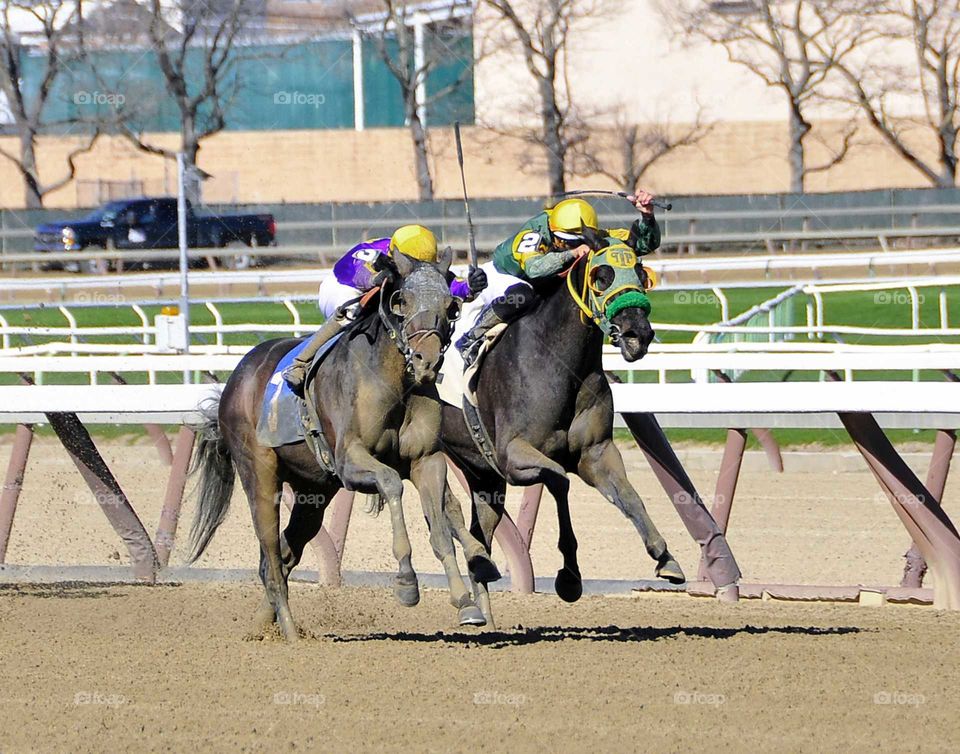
column 769, row 321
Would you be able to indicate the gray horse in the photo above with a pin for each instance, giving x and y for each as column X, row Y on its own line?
column 378, row 407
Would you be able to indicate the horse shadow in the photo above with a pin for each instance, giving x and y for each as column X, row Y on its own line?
column 524, row 636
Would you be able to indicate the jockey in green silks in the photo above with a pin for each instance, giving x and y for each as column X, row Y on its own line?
column 545, row 246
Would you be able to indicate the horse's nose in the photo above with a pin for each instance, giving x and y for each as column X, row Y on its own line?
column 424, row 369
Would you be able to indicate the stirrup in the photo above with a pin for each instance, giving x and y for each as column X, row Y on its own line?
column 470, row 350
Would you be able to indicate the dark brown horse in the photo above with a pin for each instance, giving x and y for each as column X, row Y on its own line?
column 377, row 404
column 548, row 410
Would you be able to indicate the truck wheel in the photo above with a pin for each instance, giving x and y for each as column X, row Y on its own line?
column 100, row 266
column 238, row 261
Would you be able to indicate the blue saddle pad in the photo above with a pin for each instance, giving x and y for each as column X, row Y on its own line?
column 279, row 422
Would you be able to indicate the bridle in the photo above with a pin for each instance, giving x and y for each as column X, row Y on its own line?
column 407, row 332
column 592, row 301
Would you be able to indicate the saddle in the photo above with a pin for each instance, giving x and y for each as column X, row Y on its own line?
column 286, row 418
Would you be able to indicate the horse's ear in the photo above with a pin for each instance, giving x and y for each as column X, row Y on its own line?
column 445, row 260
column 593, row 238
column 404, row 264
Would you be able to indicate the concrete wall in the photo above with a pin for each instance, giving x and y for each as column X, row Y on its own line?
column 377, row 165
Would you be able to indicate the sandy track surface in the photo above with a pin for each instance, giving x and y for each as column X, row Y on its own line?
column 93, row 668
column 796, row 527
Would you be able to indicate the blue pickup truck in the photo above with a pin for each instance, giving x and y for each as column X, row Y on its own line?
column 151, row 223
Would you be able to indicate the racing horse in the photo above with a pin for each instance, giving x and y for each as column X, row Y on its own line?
column 547, row 409
column 379, row 412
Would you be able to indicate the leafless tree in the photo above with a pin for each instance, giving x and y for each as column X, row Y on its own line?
column 400, row 38
column 925, row 36
column 56, row 44
column 625, row 152
column 791, row 45
column 197, row 53
column 545, row 30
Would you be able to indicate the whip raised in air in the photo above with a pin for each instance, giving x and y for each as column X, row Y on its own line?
column 666, row 206
column 466, row 201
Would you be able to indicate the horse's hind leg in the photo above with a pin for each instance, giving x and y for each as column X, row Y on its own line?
column 360, row 470
column 260, row 482
column 481, row 566
column 306, row 518
column 601, row 466
column 428, row 475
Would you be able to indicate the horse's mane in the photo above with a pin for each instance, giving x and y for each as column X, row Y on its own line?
column 369, row 324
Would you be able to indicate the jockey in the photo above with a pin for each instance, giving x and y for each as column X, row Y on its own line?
column 545, row 246
column 355, row 273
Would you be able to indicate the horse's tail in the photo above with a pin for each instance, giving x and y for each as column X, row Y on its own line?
column 212, row 459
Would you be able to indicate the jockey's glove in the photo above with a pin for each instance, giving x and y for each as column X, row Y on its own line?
column 477, row 280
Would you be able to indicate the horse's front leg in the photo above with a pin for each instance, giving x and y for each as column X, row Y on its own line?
column 428, row 475
column 419, row 444
column 358, row 469
column 526, row 466
column 601, row 466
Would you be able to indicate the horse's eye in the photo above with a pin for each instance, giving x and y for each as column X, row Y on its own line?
column 397, row 302
column 602, row 277
column 453, row 310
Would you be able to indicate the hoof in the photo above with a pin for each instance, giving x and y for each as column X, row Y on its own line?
column 670, row 569
column 483, row 569
column 471, row 615
column 729, row 593
column 407, row 595
column 568, row 585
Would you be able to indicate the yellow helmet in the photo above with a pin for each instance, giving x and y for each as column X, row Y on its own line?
column 416, row 242
column 569, row 217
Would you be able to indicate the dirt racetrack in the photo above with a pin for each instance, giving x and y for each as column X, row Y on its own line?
column 95, row 668
column 166, row 668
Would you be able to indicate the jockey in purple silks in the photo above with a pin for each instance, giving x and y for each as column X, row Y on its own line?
column 355, row 273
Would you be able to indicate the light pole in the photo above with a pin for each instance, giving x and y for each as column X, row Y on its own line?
column 184, row 259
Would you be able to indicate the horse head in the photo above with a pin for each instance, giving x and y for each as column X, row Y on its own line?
column 424, row 312
column 615, row 285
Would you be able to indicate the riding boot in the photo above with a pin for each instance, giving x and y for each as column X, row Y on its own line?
column 296, row 373
column 469, row 344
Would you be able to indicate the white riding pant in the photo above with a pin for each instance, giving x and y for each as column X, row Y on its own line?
column 497, row 283
column 333, row 294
